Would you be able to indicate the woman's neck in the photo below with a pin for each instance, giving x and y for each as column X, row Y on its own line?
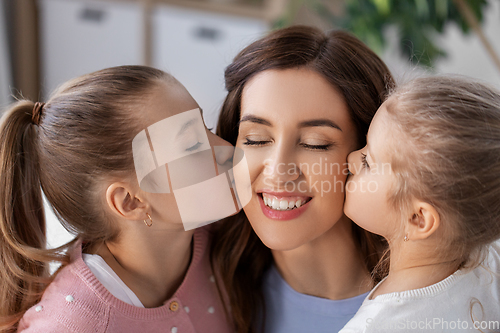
column 414, row 266
column 152, row 263
column 330, row 266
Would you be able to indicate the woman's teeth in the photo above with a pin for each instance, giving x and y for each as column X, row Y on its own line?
column 282, row 204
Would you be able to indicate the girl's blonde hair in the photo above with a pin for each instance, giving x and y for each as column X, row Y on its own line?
column 450, row 158
column 84, row 134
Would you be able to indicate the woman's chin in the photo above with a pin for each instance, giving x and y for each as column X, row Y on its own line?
column 281, row 244
column 284, row 238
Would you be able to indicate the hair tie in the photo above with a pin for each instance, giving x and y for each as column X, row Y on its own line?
column 37, row 113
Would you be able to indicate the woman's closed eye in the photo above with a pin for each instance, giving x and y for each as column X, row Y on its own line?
column 317, row 147
column 250, row 142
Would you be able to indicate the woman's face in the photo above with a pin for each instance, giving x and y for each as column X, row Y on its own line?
column 296, row 132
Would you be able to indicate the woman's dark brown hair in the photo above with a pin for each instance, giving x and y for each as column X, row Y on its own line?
column 363, row 80
column 83, row 133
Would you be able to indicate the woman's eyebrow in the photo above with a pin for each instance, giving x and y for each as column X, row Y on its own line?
column 319, row 122
column 307, row 123
column 254, row 119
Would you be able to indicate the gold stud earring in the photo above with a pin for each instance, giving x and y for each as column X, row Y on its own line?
column 406, row 238
column 151, row 221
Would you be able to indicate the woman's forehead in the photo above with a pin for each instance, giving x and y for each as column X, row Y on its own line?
column 294, row 95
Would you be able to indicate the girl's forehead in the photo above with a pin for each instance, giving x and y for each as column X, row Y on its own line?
column 382, row 134
column 166, row 100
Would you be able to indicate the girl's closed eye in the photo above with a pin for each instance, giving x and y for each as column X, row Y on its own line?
column 190, row 140
column 194, row 146
column 364, row 161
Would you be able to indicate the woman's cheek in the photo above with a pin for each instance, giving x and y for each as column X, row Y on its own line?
column 256, row 162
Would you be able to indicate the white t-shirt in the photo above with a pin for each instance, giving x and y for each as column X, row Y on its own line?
column 110, row 280
column 462, row 302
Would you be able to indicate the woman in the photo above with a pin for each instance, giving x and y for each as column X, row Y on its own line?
column 90, row 148
column 299, row 101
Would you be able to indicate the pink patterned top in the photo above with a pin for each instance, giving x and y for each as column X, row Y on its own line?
column 77, row 302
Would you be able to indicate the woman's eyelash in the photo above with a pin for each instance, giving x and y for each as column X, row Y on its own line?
column 249, row 142
column 364, row 161
column 316, row 147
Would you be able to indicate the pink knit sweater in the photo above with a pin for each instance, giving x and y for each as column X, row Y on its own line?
column 77, row 302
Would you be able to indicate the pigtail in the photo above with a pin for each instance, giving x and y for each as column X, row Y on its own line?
column 23, row 270
column 64, row 147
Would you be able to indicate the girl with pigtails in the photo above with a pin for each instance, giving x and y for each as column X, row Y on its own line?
column 132, row 267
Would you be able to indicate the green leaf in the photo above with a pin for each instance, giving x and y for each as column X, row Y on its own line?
column 422, row 8
column 418, row 22
column 442, row 8
column 383, row 6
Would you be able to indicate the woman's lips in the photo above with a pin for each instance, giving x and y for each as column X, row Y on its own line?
column 295, row 205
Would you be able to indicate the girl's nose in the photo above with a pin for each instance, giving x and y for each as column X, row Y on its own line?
column 351, row 158
column 222, row 155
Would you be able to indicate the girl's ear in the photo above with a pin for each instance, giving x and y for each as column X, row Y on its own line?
column 424, row 222
column 125, row 202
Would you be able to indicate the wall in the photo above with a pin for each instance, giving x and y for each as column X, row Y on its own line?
column 5, row 72
column 466, row 54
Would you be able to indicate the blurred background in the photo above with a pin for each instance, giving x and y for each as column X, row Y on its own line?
column 46, row 42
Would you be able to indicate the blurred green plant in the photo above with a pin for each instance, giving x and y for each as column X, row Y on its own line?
column 417, row 22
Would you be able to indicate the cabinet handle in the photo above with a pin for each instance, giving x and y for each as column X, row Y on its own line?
column 207, row 33
column 92, row 15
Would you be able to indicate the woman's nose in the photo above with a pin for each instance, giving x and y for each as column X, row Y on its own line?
column 281, row 167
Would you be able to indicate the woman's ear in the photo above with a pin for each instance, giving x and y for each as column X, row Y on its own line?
column 123, row 201
column 424, row 222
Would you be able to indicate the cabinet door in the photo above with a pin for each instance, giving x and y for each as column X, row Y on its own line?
column 78, row 37
column 197, row 46
column 82, row 36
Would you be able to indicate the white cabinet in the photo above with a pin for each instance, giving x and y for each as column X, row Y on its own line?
column 78, row 37
column 81, row 36
column 196, row 47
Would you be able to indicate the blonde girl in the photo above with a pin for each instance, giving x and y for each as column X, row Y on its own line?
column 132, row 267
column 428, row 180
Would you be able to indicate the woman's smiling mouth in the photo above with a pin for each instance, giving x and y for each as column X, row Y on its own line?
column 282, row 206
column 284, row 202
